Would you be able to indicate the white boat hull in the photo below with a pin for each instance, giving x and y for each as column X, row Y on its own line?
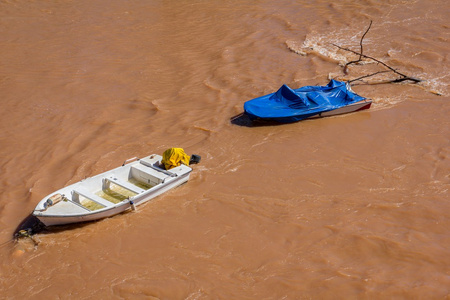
column 345, row 110
column 142, row 179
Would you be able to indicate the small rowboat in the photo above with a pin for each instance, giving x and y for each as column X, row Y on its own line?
column 110, row 193
column 291, row 105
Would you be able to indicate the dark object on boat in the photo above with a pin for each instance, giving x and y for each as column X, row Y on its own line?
column 195, row 159
column 290, row 105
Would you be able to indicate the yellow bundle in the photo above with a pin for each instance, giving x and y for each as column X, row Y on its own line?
column 173, row 157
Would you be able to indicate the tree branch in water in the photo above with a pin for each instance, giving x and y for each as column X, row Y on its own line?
column 362, row 55
column 361, row 51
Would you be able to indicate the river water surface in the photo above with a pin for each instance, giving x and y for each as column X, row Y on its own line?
column 348, row 207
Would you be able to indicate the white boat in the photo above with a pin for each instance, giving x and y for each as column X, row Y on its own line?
column 110, row 193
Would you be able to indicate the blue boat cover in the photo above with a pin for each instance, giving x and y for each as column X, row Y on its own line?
column 291, row 105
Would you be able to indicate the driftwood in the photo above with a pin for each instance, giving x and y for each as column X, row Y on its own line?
column 402, row 77
column 361, row 51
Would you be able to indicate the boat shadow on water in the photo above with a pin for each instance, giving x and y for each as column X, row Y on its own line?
column 26, row 236
column 31, row 226
column 244, row 120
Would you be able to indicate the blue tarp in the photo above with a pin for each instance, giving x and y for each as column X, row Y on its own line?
column 290, row 105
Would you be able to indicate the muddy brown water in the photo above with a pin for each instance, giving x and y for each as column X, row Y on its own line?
column 349, row 207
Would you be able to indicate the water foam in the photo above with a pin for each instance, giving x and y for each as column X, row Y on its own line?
column 323, row 46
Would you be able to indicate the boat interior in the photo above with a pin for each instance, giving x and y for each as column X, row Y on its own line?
column 107, row 189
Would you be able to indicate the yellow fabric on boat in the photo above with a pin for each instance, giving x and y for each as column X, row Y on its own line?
column 174, row 157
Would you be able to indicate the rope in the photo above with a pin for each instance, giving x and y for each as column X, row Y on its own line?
column 5, row 243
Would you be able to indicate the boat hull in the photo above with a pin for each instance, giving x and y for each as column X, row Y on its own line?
column 344, row 110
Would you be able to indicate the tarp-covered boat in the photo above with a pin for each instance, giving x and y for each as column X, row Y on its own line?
column 112, row 192
column 290, row 105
